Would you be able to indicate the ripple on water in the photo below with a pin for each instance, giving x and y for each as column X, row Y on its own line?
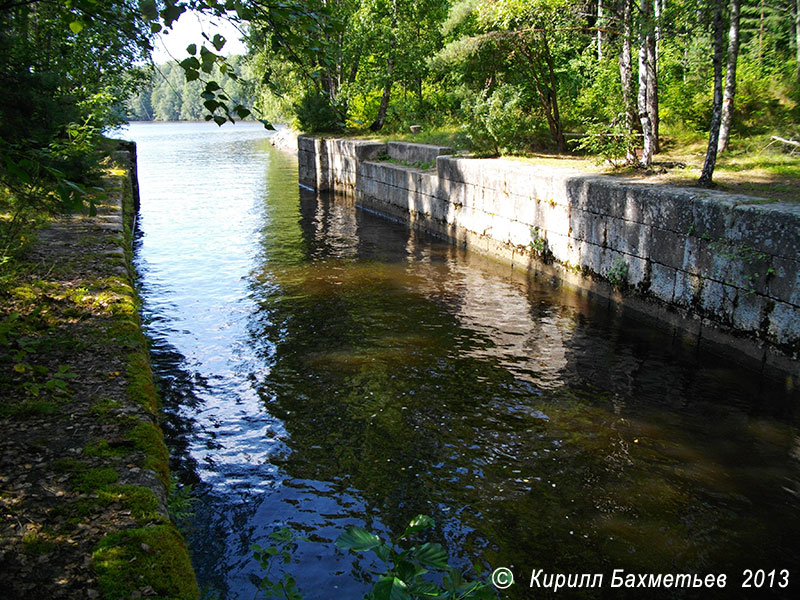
column 322, row 367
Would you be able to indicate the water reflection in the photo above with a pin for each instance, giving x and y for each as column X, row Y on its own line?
column 324, row 366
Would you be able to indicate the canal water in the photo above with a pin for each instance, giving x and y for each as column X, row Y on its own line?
column 321, row 366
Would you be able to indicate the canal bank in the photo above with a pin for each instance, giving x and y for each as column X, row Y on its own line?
column 85, row 476
column 720, row 268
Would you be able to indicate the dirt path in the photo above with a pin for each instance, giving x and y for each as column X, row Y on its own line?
column 83, row 466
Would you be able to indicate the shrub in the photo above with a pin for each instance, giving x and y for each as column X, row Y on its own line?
column 316, row 113
column 499, row 121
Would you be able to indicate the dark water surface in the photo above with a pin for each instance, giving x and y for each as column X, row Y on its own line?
column 322, row 367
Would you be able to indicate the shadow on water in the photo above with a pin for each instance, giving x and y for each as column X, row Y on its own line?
column 335, row 368
column 539, row 429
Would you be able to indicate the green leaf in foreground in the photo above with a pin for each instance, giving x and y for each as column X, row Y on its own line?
column 418, row 523
column 431, row 555
column 357, row 539
column 390, row 588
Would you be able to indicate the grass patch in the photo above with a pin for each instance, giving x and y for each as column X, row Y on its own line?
column 451, row 135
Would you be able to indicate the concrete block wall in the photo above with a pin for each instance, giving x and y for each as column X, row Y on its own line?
column 415, row 153
column 727, row 267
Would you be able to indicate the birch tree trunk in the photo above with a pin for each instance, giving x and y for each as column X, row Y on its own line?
column 659, row 10
column 730, row 77
column 652, row 89
column 761, row 39
column 645, row 33
column 716, row 107
column 626, row 76
column 600, row 30
column 797, row 36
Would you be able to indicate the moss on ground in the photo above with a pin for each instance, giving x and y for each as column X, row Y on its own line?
column 141, row 501
column 95, row 479
column 162, row 567
column 140, row 381
column 150, row 441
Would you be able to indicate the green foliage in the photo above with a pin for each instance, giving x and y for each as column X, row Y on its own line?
column 618, row 273
column 512, row 72
column 416, row 572
column 64, row 68
column 284, row 544
column 538, row 243
column 609, row 142
column 499, row 122
column 406, row 568
column 761, row 102
column 180, row 501
column 315, row 113
column 686, row 81
column 595, row 86
column 166, row 95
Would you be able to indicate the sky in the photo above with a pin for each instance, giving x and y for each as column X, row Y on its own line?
column 188, row 30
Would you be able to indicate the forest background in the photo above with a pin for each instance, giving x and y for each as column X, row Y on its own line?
column 619, row 80
column 520, row 76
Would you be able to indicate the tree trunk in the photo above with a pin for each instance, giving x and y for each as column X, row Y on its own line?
column 730, row 78
column 600, row 30
column 626, row 76
column 659, row 10
column 354, row 68
column 716, row 108
column 645, row 34
column 652, row 89
column 546, row 98
column 546, row 85
column 797, row 36
column 761, row 38
column 377, row 124
column 553, row 91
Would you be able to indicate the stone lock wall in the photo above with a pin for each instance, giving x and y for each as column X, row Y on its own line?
column 724, row 267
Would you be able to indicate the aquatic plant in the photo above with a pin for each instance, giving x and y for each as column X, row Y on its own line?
column 416, row 572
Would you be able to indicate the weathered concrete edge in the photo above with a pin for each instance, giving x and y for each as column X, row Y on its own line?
column 502, row 208
column 175, row 564
column 285, row 139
